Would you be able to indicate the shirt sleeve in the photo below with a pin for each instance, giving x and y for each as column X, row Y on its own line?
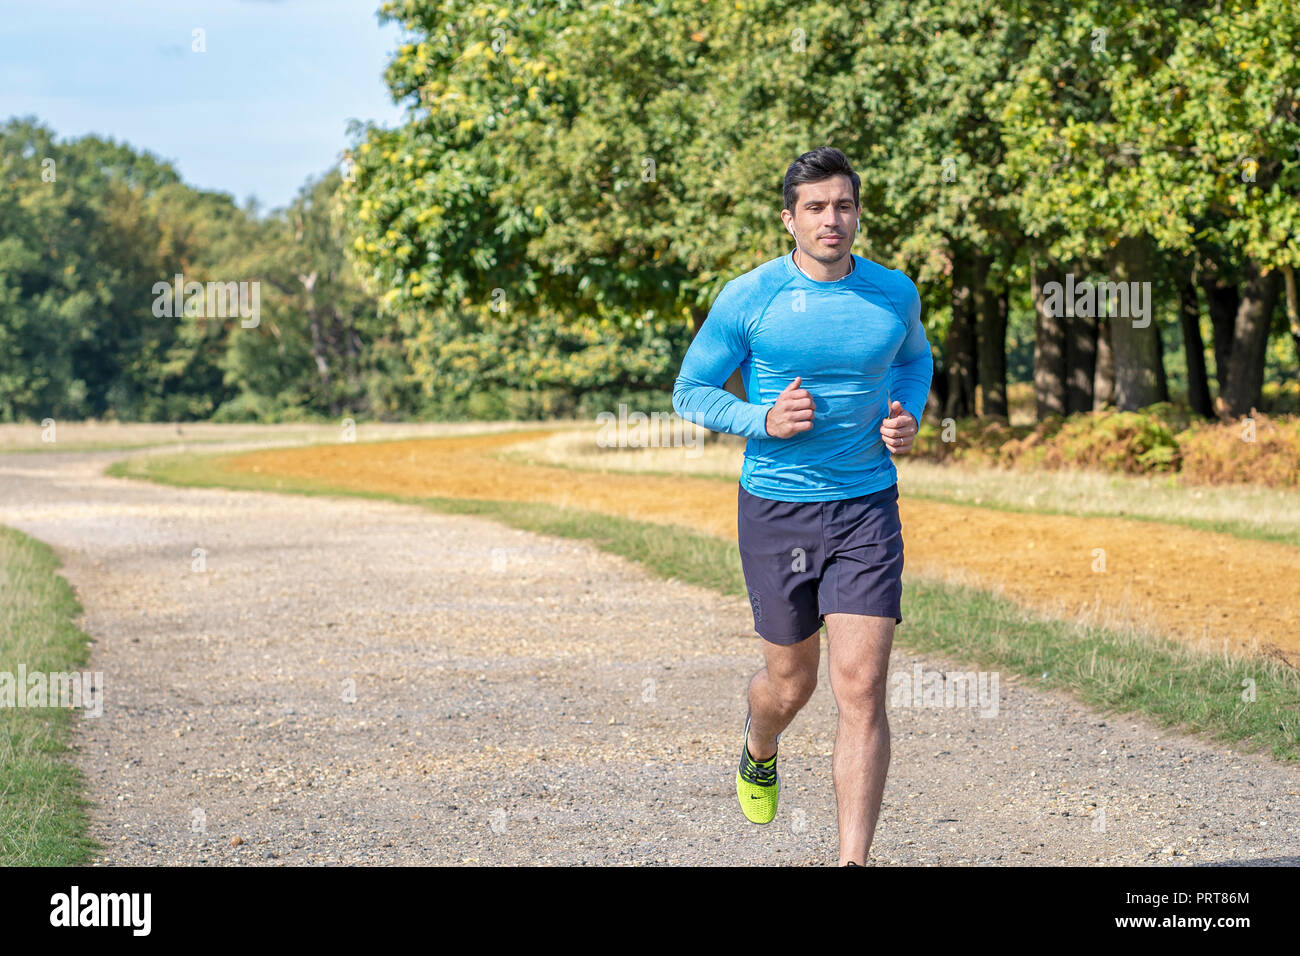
column 718, row 349
column 913, row 367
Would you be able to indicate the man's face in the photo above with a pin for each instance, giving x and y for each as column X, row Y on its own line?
column 824, row 212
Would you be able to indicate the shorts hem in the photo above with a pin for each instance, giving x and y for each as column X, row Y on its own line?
column 787, row 640
column 897, row 615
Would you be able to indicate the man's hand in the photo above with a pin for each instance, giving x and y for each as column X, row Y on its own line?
column 898, row 430
column 792, row 412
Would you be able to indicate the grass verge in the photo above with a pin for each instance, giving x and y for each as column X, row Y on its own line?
column 43, row 819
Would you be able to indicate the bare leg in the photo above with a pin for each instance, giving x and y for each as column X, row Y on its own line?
column 778, row 690
column 859, row 647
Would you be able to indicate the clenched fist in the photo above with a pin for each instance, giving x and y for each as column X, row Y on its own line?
column 898, row 429
column 792, row 412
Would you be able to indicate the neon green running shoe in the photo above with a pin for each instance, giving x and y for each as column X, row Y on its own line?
column 757, row 784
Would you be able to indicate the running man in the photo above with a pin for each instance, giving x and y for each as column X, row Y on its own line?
column 837, row 369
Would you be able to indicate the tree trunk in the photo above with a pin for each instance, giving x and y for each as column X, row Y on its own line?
column 1259, row 294
column 1135, row 347
column 1162, row 379
column 1189, row 317
column 1292, row 308
column 1081, row 358
column 937, row 401
column 341, row 339
column 959, row 350
column 990, row 343
column 1103, row 381
column 318, row 350
column 1050, row 334
column 1222, row 300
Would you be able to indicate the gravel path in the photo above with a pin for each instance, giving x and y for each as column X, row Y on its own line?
column 361, row 682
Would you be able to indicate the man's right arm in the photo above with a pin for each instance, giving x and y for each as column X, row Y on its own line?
column 717, row 350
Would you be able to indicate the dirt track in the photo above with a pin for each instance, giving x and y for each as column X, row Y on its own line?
column 521, row 699
column 1191, row 585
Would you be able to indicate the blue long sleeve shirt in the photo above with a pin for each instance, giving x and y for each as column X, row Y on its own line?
column 857, row 342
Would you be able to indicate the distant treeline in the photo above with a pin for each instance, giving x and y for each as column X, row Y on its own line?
column 92, row 232
column 1110, row 186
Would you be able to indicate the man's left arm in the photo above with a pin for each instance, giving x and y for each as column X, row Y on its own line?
column 909, row 379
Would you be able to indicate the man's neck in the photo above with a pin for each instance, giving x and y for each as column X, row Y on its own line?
column 795, row 259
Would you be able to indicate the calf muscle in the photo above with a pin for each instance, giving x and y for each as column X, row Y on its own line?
column 779, row 689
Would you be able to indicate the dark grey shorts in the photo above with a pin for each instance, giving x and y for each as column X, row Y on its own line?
column 806, row 559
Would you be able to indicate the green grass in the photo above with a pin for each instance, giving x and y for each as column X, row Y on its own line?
column 1121, row 672
column 43, row 819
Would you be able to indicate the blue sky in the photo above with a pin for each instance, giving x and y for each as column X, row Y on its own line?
column 266, row 106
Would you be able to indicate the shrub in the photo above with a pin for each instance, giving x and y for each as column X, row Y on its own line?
column 246, row 408
column 1218, row 454
column 975, row 441
column 487, row 405
column 594, row 402
column 539, row 404
column 1159, row 439
column 1135, row 443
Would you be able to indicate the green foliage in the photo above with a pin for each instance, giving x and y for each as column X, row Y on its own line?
column 79, row 254
column 321, row 346
column 514, row 223
column 89, row 227
column 598, row 197
column 576, row 180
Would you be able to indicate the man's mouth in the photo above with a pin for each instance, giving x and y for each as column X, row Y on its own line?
column 831, row 239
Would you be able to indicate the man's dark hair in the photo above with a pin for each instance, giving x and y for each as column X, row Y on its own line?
column 814, row 166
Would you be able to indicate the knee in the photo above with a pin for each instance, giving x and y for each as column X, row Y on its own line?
column 860, row 697
column 795, row 690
